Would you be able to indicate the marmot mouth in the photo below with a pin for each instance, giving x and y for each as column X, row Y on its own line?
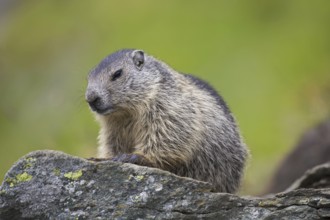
column 104, row 111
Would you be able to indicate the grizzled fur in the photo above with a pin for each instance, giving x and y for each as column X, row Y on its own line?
column 152, row 115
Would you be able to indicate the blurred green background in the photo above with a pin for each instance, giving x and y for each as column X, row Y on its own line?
column 269, row 59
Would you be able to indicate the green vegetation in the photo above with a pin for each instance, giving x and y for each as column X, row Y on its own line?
column 23, row 177
column 73, row 175
column 269, row 59
column 29, row 162
column 57, row 172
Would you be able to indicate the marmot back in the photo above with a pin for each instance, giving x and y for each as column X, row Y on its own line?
column 152, row 115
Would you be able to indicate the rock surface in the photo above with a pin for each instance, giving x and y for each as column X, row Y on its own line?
column 54, row 185
column 312, row 149
column 316, row 178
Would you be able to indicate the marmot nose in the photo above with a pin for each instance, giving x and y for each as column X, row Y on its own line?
column 95, row 104
column 94, row 101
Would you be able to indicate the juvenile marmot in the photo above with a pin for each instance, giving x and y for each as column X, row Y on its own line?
column 152, row 115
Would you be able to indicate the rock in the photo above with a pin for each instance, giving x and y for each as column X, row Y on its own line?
column 54, row 185
column 312, row 149
column 317, row 178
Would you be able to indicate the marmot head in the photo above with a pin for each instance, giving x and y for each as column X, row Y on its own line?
column 122, row 80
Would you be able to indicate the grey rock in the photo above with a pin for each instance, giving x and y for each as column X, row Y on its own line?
column 312, row 149
column 316, row 178
column 54, row 185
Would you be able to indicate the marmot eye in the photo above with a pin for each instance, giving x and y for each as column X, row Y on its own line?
column 116, row 75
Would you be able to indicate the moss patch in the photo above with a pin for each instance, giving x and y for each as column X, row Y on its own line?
column 57, row 172
column 137, row 178
column 269, row 203
column 30, row 159
column 23, row 177
column 73, row 175
column 29, row 162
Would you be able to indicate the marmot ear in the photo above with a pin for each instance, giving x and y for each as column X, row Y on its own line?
column 138, row 58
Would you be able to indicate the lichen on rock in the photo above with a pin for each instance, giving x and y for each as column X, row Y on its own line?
column 74, row 175
column 21, row 177
column 58, row 186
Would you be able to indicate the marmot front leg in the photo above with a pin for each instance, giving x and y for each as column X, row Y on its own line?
column 137, row 159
